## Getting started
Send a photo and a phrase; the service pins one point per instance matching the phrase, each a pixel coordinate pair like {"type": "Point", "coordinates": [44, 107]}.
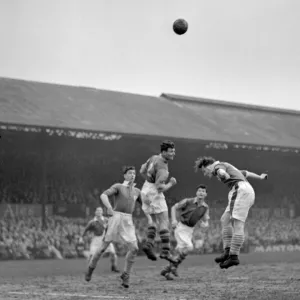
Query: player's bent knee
{"type": "Point", "coordinates": [164, 224]}
{"type": "Point", "coordinates": [238, 226]}
{"type": "Point", "coordinates": [190, 248]}
{"type": "Point", "coordinates": [185, 250]}
{"type": "Point", "coordinates": [225, 219]}
{"type": "Point", "coordinates": [133, 247]}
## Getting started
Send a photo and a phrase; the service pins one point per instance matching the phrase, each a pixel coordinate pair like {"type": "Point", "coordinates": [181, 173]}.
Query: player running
{"type": "Point", "coordinates": [185, 215]}
{"type": "Point", "coordinates": [240, 199]}
{"type": "Point", "coordinates": [120, 227]}
{"type": "Point", "coordinates": [97, 226]}
{"type": "Point", "coordinates": [155, 172]}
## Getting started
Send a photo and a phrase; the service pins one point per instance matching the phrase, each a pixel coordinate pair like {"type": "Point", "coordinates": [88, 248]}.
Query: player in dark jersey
{"type": "Point", "coordinates": [240, 199]}
{"type": "Point", "coordinates": [120, 227]}
{"type": "Point", "coordinates": [97, 226]}
{"type": "Point", "coordinates": [185, 215]}
{"type": "Point", "coordinates": [155, 172]}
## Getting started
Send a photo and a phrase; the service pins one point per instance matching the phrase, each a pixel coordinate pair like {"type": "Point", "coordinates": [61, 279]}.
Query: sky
{"type": "Point", "coordinates": [244, 51]}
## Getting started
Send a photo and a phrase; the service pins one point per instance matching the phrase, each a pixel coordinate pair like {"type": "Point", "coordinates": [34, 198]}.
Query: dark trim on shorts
{"type": "Point", "coordinates": [233, 198]}
{"type": "Point", "coordinates": [186, 224]}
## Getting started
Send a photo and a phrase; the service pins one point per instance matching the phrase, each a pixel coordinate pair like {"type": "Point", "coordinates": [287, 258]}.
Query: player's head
{"type": "Point", "coordinates": [129, 173]}
{"type": "Point", "coordinates": [205, 163]}
{"type": "Point", "coordinates": [167, 149]}
{"type": "Point", "coordinates": [99, 212]}
{"type": "Point", "coordinates": [201, 192]}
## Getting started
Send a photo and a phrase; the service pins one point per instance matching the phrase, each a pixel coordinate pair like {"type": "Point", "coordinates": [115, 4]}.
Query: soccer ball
{"type": "Point", "coordinates": [180, 26]}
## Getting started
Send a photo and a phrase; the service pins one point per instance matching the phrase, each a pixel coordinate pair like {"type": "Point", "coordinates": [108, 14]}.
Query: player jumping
{"type": "Point", "coordinates": [97, 226]}
{"type": "Point", "coordinates": [240, 199]}
{"type": "Point", "coordinates": [155, 172]}
{"type": "Point", "coordinates": [185, 215]}
{"type": "Point", "coordinates": [120, 227]}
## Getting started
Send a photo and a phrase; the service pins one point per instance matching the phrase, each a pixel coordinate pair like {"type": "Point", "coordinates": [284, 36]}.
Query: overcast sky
{"type": "Point", "coordinates": [235, 50]}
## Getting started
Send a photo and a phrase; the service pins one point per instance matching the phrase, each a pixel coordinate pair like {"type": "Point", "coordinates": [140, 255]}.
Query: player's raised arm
{"type": "Point", "coordinates": [252, 175]}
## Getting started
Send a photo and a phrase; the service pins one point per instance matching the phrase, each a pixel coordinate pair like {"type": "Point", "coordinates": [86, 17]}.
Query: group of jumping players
{"type": "Point", "coordinates": [119, 226]}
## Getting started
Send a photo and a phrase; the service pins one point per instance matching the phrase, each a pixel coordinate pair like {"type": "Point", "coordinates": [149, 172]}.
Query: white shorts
{"type": "Point", "coordinates": [120, 229]}
{"type": "Point", "coordinates": [199, 243]}
{"type": "Point", "coordinates": [97, 243]}
{"type": "Point", "coordinates": [184, 237]}
{"type": "Point", "coordinates": [240, 199]}
{"type": "Point", "coordinates": [154, 202]}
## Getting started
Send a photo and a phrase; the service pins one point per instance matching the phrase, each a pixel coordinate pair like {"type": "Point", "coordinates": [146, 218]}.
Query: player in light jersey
{"type": "Point", "coordinates": [185, 215]}
{"type": "Point", "coordinates": [97, 226]}
{"type": "Point", "coordinates": [155, 172]}
{"type": "Point", "coordinates": [120, 227]}
{"type": "Point", "coordinates": [240, 199]}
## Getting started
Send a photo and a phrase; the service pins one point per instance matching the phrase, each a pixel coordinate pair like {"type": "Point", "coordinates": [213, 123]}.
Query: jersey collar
{"type": "Point", "coordinates": [165, 160]}
{"type": "Point", "coordinates": [196, 202]}
{"type": "Point", "coordinates": [126, 183]}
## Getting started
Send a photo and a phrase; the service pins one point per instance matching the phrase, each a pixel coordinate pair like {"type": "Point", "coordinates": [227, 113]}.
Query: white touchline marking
{"type": "Point", "coordinates": [70, 295]}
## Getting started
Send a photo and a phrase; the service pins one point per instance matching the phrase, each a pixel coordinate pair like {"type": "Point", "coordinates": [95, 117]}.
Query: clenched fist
{"type": "Point", "coordinates": [173, 181]}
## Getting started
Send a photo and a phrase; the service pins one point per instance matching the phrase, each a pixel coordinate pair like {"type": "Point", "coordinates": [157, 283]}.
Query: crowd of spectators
{"type": "Point", "coordinates": [69, 172]}
{"type": "Point", "coordinates": [25, 237]}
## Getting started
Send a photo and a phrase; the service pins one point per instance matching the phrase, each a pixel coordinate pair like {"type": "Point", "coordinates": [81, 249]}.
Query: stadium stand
{"type": "Point", "coordinates": [62, 145]}
{"type": "Point", "coordinates": [244, 123]}
{"type": "Point", "coordinates": [43, 104]}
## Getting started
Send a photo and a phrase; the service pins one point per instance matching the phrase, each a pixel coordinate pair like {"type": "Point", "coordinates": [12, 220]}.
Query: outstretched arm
{"type": "Point", "coordinates": [252, 175]}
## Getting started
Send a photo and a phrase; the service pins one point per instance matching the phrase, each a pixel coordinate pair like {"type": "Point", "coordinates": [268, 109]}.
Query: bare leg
{"type": "Point", "coordinates": [94, 260]}
{"type": "Point", "coordinates": [129, 261]}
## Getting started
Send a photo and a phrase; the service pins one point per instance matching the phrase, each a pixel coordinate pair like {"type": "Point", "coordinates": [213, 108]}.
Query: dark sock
{"type": "Point", "coordinates": [165, 240]}
{"type": "Point", "coordinates": [151, 235]}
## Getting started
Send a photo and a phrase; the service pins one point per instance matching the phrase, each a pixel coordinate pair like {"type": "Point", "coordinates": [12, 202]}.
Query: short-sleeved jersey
{"type": "Point", "coordinates": [190, 212]}
{"type": "Point", "coordinates": [125, 197]}
{"type": "Point", "coordinates": [156, 167]}
{"type": "Point", "coordinates": [97, 226]}
{"type": "Point", "coordinates": [235, 174]}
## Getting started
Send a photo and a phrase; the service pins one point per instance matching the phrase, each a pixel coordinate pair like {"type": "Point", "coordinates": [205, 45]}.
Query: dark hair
{"type": "Point", "coordinates": [202, 186]}
{"type": "Point", "coordinates": [128, 168]}
{"type": "Point", "coordinates": [166, 144]}
{"type": "Point", "coordinates": [203, 162]}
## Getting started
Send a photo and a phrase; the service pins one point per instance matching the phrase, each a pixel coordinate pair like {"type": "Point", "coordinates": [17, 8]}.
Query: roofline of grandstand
{"type": "Point", "coordinates": [77, 86]}
{"type": "Point", "coordinates": [295, 149]}
{"type": "Point", "coordinates": [176, 97]}
{"type": "Point", "coordinates": [213, 102]}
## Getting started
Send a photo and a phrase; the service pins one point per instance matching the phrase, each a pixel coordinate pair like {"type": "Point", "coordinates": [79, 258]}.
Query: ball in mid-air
{"type": "Point", "coordinates": [180, 26]}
